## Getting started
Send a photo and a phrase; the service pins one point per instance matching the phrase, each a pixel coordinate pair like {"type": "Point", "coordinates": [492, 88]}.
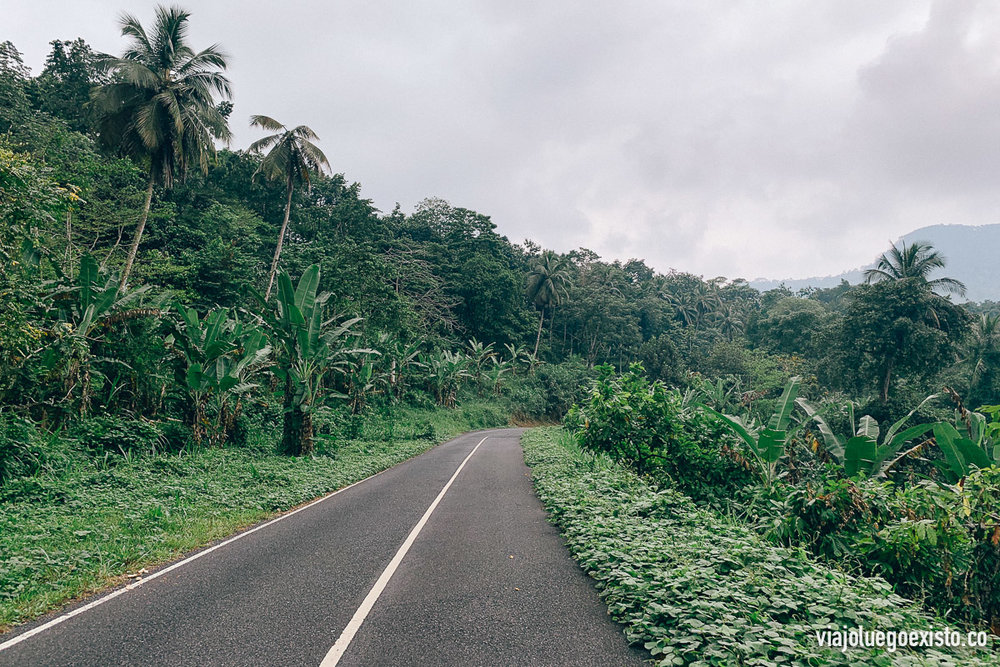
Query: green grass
{"type": "Point", "coordinates": [699, 589]}
{"type": "Point", "coordinates": [79, 528]}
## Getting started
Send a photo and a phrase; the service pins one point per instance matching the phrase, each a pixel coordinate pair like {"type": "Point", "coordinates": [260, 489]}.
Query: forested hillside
{"type": "Point", "coordinates": [434, 278]}
{"type": "Point", "coordinates": [270, 308]}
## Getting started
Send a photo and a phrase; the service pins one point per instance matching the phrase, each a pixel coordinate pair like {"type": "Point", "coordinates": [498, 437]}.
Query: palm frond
{"type": "Point", "coordinates": [266, 123]}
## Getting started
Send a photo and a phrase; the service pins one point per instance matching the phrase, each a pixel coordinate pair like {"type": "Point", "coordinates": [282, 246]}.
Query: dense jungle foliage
{"type": "Point", "coordinates": [158, 294]}
{"type": "Point", "coordinates": [916, 502]}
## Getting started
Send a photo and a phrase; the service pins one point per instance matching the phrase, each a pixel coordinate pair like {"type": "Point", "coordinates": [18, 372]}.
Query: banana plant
{"type": "Point", "coordinates": [961, 455]}
{"type": "Point", "coordinates": [84, 308]}
{"type": "Point", "coordinates": [445, 372]}
{"type": "Point", "coordinates": [767, 444]}
{"type": "Point", "coordinates": [723, 394]}
{"type": "Point", "coordinates": [396, 359]}
{"type": "Point", "coordinates": [517, 355]}
{"type": "Point", "coordinates": [480, 357]}
{"type": "Point", "coordinates": [494, 374]}
{"type": "Point", "coordinates": [863, 450]}
{"type": "Point", "coordinates": [366, 379]}
{"type": "Point", "coordinates": [402, 357]}
{"type": "Point", "coordinates": [987, 430]}
{"type": "Point", "coordinates": [220, 354]}
{"type": "Point", "coordinates": [309, 348]}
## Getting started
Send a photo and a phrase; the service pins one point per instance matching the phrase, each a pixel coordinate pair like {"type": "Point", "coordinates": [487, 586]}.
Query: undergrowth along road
{"type": "Point", "coordinates": [698, 589]}
{"type": "Point", "coordinates": [86, 525]}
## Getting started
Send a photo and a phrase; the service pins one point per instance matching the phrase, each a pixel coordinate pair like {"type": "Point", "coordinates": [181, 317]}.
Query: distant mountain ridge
{"type": "Point", "coordinates": [972, 255]}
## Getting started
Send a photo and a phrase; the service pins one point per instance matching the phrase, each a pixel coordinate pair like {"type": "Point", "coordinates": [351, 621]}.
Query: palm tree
{"type": "Point", "coordinates": [983, 349]}
{"type": "Point", "coordinates": [160, 108]}
{"type": "Point", "coordinates": [684, 306]}
{"type": "Point", "coordinates": [706, 301]}
{"type": "Point", "coordinates": [292, 159]}
{"type": "Point", "coordinates": [547, 285]}
{"type": "Point", "coordinates": [914, 261]}
{"type": "Point", "coordinates": [731, 322]}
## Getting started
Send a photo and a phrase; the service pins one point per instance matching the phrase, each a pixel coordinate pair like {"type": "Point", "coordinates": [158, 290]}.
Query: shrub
{"type": "Point", "coordinates": [19, 451]}
{"type": "Point", "coordinates": [935, 543]}
{"type": "Point", "coordinates": [119, 435]}
{"type": "Point", "coordinates": [645, 425]}
{"type": "Point", "coordinates": [551, 391]}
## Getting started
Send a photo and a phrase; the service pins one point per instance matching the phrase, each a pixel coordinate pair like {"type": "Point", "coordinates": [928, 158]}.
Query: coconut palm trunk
{"type": "Point", "coordinates": [886, 383]}
{"type": "Point", "coordinates": [137, 238]}
{"type": "Point", "coordinates": [281, 240]}
{"type": "Point", "coordinates": [538, 338]}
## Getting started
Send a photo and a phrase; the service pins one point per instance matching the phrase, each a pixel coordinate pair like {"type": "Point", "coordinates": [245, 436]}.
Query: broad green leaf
{"type": "Point", "coordinates": [973, 453]}
{"type": "Point", "coordinates": [771, 444]}
{"type": "Point", "coordinates": [891, 448]}
{"type": "Point", "coordinates": [87, 278]}
{"type": "Point", "coordinates": [305, 295]}
{"type": "Point", "coordinates": [194, 377]}
{"type": "Point", "coordinates": [860, 453]}
{"type": "Point", "coordinates": [890, 434]}
{"type": "Point", "coordinates": [867, 428]}
{"type": "Point", "coordinates": [833, 443]}
{"type": "Point", "coordinates": [779, 420]}
{"type": "Point", "coordinates": [286, 297]}
{"type": "Point", "coordinates": [736, 425]}
{"type": "Point", "coordinates": [947, 438]}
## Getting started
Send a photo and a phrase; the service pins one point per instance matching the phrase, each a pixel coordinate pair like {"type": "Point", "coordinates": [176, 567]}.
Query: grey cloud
{"type": "Point", "coordinates": [744, 139]}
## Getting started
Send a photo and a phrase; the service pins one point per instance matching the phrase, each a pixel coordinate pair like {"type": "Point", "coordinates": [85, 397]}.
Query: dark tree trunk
{"type": "Point", "coordinates": [886, 381]}
{"type": "Point", "coordinates": [297, 430]}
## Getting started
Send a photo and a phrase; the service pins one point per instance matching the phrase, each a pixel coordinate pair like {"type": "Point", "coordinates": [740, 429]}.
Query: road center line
{"type": "Point", "coordinates": [112, 595]}
{"type": "Point", "coordinates": [337, 651]}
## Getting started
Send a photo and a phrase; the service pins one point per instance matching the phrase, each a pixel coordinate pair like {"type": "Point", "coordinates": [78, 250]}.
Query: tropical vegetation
{"type": "Point", "coordinates": [168, 304]}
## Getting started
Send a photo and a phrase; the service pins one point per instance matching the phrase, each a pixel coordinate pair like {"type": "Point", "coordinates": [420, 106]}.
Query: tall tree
{"type": "Point", "coordinates": [900, 328]}
{"type": "Point", "coordinates": [63, 88]}
{"type": "Point", "coordinates": [917, 260]}
{"type": "Point", "coordinates": [160, 108]}
{"type": "Point", "coordinates": [292, 159]}
{"type": "Point", "coordinates": [14, 81]}
{"type": "Point", "coordinates": [547, 286]}
{"type": "Point", "coordinates": [982, 355]}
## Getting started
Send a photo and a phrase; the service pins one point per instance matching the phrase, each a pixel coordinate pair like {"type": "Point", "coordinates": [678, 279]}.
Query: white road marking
{"type": "Point", "coordinates": [337, 651]}
{"type": "Point", "coordinates": [111, 596]}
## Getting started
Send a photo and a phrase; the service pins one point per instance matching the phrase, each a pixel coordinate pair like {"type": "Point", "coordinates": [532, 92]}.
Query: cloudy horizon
{"type": "Point", "coordinates": [781, 141]}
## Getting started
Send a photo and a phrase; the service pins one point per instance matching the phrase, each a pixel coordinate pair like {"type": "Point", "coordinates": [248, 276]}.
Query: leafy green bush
{"type": "Point", "coordinates": [19, 451]}
{"type": "Point", "coordinates": [118, 435]}
{"type": "Point", "coordinates": [563, 385]}
{"type": "Point", "coordinates": [698, 589]}
{"type": "Point", "coordinates": [645, 425]}
{"type": "Point", "coordinates": [943, 544]}
{"type": "Point", "coordinates": [551, 391]}
{"type": "Point", "coordinates": [938, 544]}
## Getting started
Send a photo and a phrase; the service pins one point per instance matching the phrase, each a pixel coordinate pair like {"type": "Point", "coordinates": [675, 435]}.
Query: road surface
{"type": "Point", "coordinates": [446, 559]}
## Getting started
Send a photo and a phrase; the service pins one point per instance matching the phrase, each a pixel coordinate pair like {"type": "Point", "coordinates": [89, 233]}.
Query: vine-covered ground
{"type": "Point", "coordinates": [698, 589]}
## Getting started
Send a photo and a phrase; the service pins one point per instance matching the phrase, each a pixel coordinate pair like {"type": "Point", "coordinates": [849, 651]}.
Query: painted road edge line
{"type": "Point", "coordinates": [337, 650]}
{"type": "Point", "coordinates": [112, 595]}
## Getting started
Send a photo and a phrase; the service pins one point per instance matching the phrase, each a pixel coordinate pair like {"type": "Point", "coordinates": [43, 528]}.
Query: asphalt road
{"type": "Point", "coordinates": [487, 581]}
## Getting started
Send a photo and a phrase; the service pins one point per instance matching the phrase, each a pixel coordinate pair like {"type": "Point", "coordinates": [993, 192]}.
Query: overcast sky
{"type": "Point", "coordinates": [778, 139]}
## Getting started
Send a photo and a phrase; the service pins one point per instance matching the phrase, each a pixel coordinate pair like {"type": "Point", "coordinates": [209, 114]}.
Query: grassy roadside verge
{"type": "Point", "coordinates": [697, 589]}
{"type": "Point", "coordinates": [76, 530]}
